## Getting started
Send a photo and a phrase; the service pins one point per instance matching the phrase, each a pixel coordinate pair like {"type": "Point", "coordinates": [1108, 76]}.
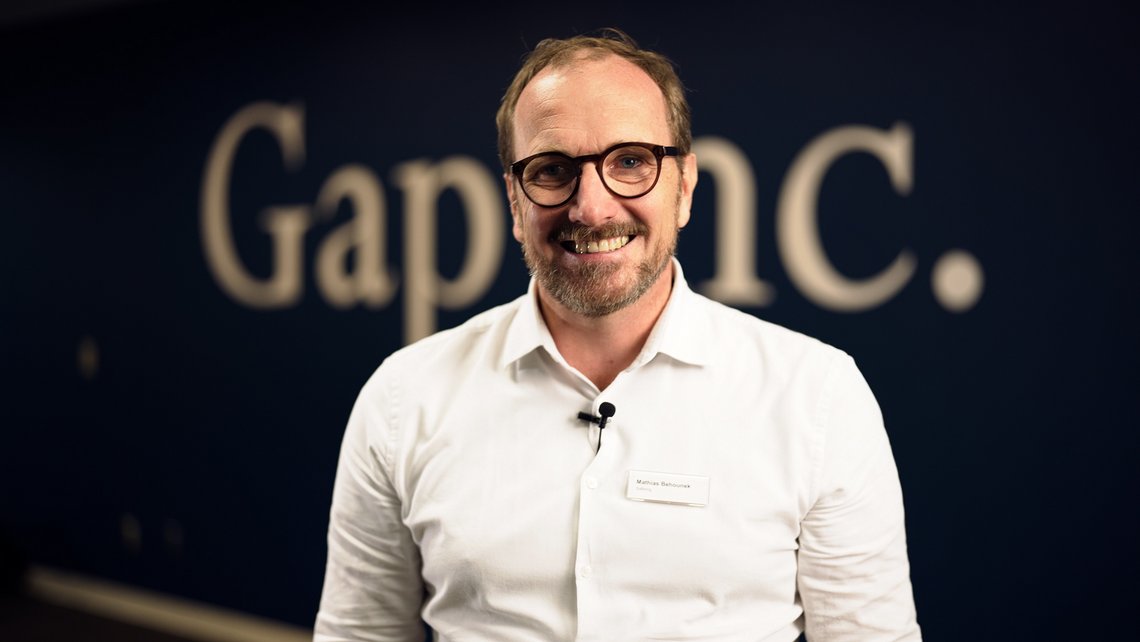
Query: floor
{"type": "Point", "coordinates": [24, 619]}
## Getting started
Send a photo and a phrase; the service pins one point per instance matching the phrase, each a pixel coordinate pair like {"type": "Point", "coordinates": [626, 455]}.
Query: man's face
{"type": "Point", "coordinates": [598, 253]}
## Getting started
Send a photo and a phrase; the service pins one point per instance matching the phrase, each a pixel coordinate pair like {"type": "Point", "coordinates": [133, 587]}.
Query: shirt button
{"type": "Point", "coordinates": [591, 483]}
{"type": "Point", "coordinates": [587, 571]}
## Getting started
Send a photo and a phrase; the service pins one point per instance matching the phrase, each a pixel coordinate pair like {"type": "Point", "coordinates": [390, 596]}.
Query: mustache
{"type": "Point", "coordinates": [579, 233]}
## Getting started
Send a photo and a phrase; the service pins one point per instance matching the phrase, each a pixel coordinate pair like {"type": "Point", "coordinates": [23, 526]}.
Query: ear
{"type": "Point", "coordinates": [513, 204]}
{"type": "Point", "coordinates": [688, 184]}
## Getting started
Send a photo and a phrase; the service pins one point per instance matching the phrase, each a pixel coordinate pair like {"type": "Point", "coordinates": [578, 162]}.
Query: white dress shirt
{"type": "Point", "coordinates": [469, 493]}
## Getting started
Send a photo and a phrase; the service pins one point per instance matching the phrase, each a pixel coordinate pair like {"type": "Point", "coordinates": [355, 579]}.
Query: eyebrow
{"type": "Point", "coordinates": [594, 153]}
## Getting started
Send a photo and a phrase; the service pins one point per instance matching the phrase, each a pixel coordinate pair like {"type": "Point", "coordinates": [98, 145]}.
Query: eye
{"type": "Point", "coordinates": [550, 171]}
{"type": "Point", "coordinates": [553, 170]}
{"type": "Point", "coordinates": [631, 165]}
{"type": "Point", "coordinates": [629, 162]}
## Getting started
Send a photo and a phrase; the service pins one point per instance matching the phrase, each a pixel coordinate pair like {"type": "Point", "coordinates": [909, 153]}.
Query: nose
{"type": "Point", "coordinates": [592, 205]}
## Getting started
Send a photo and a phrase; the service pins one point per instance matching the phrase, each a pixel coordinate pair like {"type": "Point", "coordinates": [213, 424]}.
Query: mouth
{"type": "Point", "coordinates": [599, 246]}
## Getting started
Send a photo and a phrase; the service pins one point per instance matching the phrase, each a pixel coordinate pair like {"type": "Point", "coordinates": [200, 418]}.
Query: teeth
{"type": "Point", "coordinates": [604, 245]}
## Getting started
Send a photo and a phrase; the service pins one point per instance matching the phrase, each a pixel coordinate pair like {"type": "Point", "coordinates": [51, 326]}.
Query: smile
{"type": "Point", "coordinates": [596, 247]}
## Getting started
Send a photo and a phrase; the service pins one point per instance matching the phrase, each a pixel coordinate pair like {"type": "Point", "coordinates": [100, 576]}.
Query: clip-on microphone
{"type": "Point", "coordinates": [606, 410]}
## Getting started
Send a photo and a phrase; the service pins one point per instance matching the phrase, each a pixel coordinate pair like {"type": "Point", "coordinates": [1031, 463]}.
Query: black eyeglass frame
{"type": "Point", "coordinates": [659, 151]}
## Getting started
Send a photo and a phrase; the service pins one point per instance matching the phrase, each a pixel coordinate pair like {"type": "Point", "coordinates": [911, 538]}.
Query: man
{"type": "Point", "coordinates": [730, 480]}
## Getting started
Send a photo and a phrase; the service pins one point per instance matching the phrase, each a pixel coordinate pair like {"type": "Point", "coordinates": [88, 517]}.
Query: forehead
{"type": "Point", "coordinates": [587, 105]}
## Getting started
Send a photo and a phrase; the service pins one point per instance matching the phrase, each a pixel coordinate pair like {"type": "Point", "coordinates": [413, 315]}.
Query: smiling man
{"type": "Point", "coordinates": [599, 242]}
{"type": "Point", "coordinates": [746, 490]}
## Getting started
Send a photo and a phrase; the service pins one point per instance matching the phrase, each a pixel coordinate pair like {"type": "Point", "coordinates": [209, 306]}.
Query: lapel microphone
{"type": "Point", "coordinates": [606, 410]}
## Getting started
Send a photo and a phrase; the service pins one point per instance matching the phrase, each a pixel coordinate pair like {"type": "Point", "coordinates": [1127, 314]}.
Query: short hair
{"type": "Point", "coordinates": [559, 52]}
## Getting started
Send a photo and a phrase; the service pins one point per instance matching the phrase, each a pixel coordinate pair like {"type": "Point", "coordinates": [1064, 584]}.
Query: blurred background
{"type": "Point", "coordinates": [220, 217]}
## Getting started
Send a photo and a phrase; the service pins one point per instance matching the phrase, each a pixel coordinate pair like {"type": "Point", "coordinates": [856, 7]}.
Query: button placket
{"type": "Point", "coordinates": [589, 577]}
{"type": "Point", "coordinates": [588, 599]}
{"type": "Point", "coordinates": [583, 568]}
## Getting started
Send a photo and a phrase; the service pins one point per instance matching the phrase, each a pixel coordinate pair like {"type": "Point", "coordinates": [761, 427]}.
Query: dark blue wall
{"type": "Point", "coordinates": [214, 425]}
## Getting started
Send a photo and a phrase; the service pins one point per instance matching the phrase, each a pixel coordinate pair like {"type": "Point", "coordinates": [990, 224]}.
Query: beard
{"type": "Point", "coordinates": [598, 289]}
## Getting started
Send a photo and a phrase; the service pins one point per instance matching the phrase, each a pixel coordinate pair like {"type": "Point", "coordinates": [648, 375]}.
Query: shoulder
{"type": "Point", "coordinates": [736, 335]}
{"type": "Point", "coordinates": [427, 371]}
{"type": "Point", "coordinates": [810, 378]}
{"type": "Point", "coordinates": [800, 371]}
{"type": "Point", "coordinates": [427, 374]}
{"type": "Point", "coordinates": [476, 338]}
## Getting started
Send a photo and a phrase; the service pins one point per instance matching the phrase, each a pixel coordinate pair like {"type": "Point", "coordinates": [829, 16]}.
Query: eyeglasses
{"type": "Point", "coordinates": [628, 170]}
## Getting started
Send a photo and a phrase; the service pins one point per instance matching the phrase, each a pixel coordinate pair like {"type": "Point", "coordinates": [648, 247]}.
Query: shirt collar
{"type": "Point", "coordinates": [527, 330]}
{"type": "Point", "coordinates": [681, 332]}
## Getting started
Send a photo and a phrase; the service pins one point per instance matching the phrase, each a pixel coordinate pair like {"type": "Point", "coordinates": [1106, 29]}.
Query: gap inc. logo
{"type": "Point", "coordinates": [368, 280]}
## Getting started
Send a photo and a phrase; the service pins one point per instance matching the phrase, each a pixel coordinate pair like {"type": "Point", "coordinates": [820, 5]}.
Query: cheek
{"type": "Point", "coordinates": [663, 215]}
{"type": "Point", "coordinates": [527, 225]}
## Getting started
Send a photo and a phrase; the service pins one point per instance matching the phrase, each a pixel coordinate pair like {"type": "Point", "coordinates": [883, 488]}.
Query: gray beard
{"type": "Point", "coordinates": [584, 290]}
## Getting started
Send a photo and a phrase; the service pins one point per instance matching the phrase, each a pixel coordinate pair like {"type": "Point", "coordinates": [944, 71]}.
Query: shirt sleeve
{"type": "Point", "coordinates": [373, 588]}
{"type": "Point", "coordinates": [854, 576]}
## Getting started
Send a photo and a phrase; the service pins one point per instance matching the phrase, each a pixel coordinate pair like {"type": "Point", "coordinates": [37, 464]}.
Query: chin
{"type": "Point", "coordinates": [596, 288]}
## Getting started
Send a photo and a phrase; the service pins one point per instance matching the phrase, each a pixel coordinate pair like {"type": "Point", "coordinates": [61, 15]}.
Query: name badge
{"type": "Point", "coordinates": [667, 488]}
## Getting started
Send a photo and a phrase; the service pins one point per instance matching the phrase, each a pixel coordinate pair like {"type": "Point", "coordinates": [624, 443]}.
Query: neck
{"type": "Point", "coordinates": [601, 347]}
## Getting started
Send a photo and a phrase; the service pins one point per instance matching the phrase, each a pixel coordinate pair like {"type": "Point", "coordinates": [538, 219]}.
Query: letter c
{"type": "Point", "coordinates": [797, 221]}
